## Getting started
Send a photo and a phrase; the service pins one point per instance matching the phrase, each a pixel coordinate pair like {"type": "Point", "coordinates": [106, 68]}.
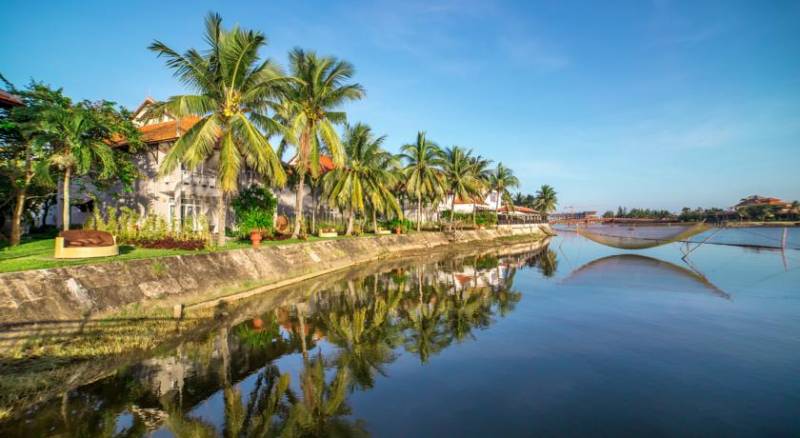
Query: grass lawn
{"type": "Point", "coordinates": [37, 253]}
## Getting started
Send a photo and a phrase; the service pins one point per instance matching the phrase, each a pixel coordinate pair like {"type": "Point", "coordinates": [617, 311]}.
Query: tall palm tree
{"type": "Point", "coordinates": [423, 174]}
{"type": "Point", "coordinates": [234, 89]}
{"type": "Point", "coordinates": [460, 178]}
{"type": "Point", "coordinates": [483, 174]}
{"type": "Point", "coordinates": [546, 199]}
{"type": "Point", "coordinates": [310, 110]}
{"type": "Point", "coordinates": [81, 136]}
{"type": "Point", "coordinates": [500, 181]}
{"type": "Point", "coordinates": [365, 177]}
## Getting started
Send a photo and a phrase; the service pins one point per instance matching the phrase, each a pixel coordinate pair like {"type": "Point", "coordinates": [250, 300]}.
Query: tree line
{"type": "Point", "coordinates": [714, 214]}
{"type": "Point", "coordinates": [251, 111]}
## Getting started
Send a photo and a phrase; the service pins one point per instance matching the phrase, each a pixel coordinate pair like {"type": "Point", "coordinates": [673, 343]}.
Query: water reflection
{"type": "Point", "coordinates": [639, 237]}
{"type": "Point", "coordinates": [235, 380]}
{"type": "Point", "coordinates": [634, 271]}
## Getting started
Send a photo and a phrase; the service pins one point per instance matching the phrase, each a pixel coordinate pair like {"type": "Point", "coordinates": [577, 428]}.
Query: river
{"type": "Point", "coordinates": [575, 339]}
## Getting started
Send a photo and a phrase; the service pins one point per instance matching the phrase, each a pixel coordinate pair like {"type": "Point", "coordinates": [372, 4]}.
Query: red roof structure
{"type": "Point", "coordinates": [326, 163]}
{"type": "Point", "coordinates": [756, 200]}
{"type": "Point", "coordinates": [461, 201]}
{"type": "Point", "coordinates": [8, 100]}
{"type": "Point", "coordinates": [167, 131]}
{"type": "Point", "coordinates": [518, 209]}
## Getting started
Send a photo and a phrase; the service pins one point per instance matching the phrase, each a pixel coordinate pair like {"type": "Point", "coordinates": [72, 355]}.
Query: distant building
{"type": "Point", "coordinates": [519, 214]}
{"type": "Point", "coordinates": [573, 215]}
{"type": "Point", "coordinates": [491, 202]}
{"type": "Point", "coordinates": [757, 201]}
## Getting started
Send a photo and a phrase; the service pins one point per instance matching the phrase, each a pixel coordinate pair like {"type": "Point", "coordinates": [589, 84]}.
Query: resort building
{"type": "Point", "coordinates": [489, 202]}
{"type": "Point", "coordinates": [519, 215]}
{"type": "Point", "coordinates": [758, 201]}
{"type": "Point", "coordinates": [183, 194]}
{"type": "Point", "coordinates": [573, 215]}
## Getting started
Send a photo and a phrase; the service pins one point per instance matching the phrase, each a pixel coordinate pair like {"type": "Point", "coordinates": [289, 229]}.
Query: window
{"type": "Point", "coordinates": [190, 209]}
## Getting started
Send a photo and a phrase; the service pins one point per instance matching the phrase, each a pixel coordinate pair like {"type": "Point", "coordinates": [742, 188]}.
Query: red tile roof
{"type": "Point", "coordinates": [326, 163]}
{"type": "Point", "coordinates": [475, 200]}
{"type": "Point", "coordinates": [519, 209]}
{"type": "Point", "coordinates": [7, 100]}
{"type": "Point", "coordinates": [166, 131]}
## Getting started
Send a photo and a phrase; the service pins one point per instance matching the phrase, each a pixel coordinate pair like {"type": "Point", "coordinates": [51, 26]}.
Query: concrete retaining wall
{"type": "Point", "coordinates": [71, 292]}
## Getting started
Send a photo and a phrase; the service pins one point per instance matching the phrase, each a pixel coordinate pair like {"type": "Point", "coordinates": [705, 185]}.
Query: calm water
{"type": "Point", "coordinates": [579, 339]}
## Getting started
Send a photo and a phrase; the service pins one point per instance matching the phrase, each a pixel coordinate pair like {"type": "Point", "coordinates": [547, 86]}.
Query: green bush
{"type": "Point", "coordinates": [128, 227]}
{"type": "Point", "coordinates": [405, 224]}
{"type": "Point", "coordinates": [486, 218]}
{"type": "Point", "coordinates": [255, 209]}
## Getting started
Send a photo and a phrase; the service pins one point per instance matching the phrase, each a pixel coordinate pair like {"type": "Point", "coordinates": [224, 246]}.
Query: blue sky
{"type": "Point", "coordinates": [656, 104]}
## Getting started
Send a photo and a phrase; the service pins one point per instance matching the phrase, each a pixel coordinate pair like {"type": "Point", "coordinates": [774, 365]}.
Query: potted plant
{"type": "Point", "coordinates": [255, 223]}
{"type": "Point", "coordinates": [254, 208]}
{"type": "Point", "coordinates": [256, 235]}
{"type": "Point", "coordinates": [399, 226]}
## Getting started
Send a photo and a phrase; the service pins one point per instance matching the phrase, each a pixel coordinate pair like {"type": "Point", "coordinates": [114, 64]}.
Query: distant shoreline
{"type": "Point", "coordinates": [736, 224]}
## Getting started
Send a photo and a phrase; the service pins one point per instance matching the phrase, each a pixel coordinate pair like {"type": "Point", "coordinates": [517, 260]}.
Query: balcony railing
{"type": "Point", "coordinates": [199, 178]}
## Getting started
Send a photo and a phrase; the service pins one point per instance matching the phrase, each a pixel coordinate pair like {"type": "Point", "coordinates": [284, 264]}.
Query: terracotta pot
{"type": "Point", "coordinates": [398, 230]}
{"type": "Point", "coordinates": [255, 237]}
{"type": "Point", "coordinates": [258, 323]}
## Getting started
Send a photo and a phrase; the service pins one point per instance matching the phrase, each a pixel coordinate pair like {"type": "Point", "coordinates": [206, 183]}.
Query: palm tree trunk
{"type": "Point", "coordinates": [497, 210]}
{"type": "Point", "coordinates": [314, 211]}
{"type": "Point", "coordinates": [374, 221]}
{"type": "Point", "coordinates": [298, 206]}
{"type": "Point", "coordinates": [16, 216]}
{"type": "Point", "coordinates": [452, 210]}
{"type": "Point", "coordinates": [65, 207]}
{"type": "Point", "coordinates": [222, 210]}
{"type": "Point", "coordinates": [349, 223]}
{"type": "Point", "coordinates": [419, 211]}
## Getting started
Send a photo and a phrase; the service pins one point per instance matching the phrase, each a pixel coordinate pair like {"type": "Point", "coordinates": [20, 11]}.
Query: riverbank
{"type": "Point", "coordinates": [42, 361]}
{"type": "Point", "coordinates": [76, 292]}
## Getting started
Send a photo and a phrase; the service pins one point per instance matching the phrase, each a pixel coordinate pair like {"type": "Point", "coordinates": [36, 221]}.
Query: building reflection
{"type": "Point", "coordinates": [344, 337]}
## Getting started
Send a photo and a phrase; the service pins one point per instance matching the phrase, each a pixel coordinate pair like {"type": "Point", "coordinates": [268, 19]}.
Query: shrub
{"type": "Point", "coordinates": [171, 243]}
{"type": "Point", "coordinates": [486, 218]}
{"type": "Point", "coordinates": [153, 231]}
{"type": "Point", "coordinates": [404, 224]}
{"type": "Point", "coordinates": [254, 208]}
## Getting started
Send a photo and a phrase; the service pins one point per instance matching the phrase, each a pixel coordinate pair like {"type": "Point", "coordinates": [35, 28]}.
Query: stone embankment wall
{"type": "Point", "coordinates": [73, 292]}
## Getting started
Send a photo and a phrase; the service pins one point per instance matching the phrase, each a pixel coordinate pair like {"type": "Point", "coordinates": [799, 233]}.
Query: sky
{"type": "Point", "coordinates": [651, 104]}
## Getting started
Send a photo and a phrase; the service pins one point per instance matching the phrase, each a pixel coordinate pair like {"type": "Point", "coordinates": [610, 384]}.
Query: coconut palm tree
{"type": "Point", "coordinates": [80, 137]}
{"type": "Point", "coordinates": [311, 105]}
{"type": "Point", "coordinates": [460, 179]}
{"type": "Point", "coordinates": [546, 199]}
{"type": "Point", "coordinates": [500, 180]}
{"type": "Point", "coordinates": [233, 88]}
{"type": "Point", "coordinates": [482, 174]}
{"type": "Point", "coordinates": [422, 172]}
{"type": "Point", "coordinates": [366, 176]}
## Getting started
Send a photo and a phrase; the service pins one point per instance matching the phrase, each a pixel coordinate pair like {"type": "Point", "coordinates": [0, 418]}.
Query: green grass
{"type": "Point", "coordinates": [37, 253]}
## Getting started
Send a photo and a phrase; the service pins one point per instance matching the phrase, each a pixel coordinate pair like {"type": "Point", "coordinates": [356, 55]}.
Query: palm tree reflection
{"type": "Point", "coordinates": [346, 336]}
